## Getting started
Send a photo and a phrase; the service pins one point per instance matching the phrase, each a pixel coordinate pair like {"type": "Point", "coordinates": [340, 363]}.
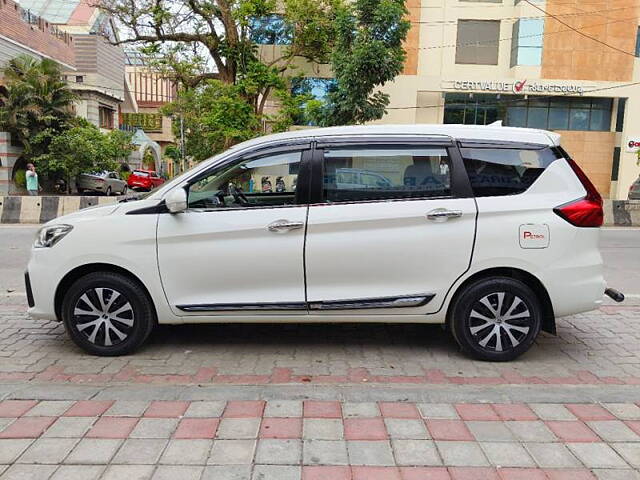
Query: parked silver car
{"type": "Point", "coordinates": [108, 183]}
{"type": "Point", "coordinates": [634, 190]}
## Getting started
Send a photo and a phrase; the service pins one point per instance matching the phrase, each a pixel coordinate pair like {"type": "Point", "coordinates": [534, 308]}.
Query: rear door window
{"type": "Point", "coordinates": [504, 171]}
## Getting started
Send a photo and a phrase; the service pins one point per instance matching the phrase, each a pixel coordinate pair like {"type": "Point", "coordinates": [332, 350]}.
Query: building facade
{"type": "Point", "coordinates": [477, 62]}
{"type": "Point", "coordinates": [99, 76]}
{"type": "Point", "coordinates": [24, 33]}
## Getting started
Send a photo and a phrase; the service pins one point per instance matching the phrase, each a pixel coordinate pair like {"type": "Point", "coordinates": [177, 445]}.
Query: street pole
{"type": "Point", "coordinates": [182, 141]}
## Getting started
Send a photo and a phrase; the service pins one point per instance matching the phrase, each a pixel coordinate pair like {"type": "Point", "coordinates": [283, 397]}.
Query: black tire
{"type": "Point", "coordinates": [135, 321]}
{"type": "Point", "coordinates": [108, 192]}
{"type": "Point", "coordinates": [124, 190]}
{"type": "Point", "coordinates": [485, 335]}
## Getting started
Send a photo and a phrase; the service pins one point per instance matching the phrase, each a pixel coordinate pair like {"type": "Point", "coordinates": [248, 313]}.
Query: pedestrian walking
{"type": "Point", "coordinates": [32, 180]}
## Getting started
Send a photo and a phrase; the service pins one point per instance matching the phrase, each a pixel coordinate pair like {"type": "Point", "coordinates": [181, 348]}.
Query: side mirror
{"type": "Point", "coordinates": [176, 200]}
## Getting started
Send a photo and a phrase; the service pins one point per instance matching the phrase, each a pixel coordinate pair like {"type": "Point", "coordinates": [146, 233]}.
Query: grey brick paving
{"type": "Point", "coordinates": [227, 472]}
{"type": "Point", "coordinates": [325, 452]}
{"type": "Point", "coordinates": [128, 472]}
{"type": "Point", "coordinates": [597, 455]}
{"type": "Point", "coordinates": [177, 472]}
{"type": "Point", "coordinates": [154, 428]}
{"type": "Point", "coordinates": [547, 411]}
{"type": "Point", "coordinates": [97, 451]}
{"type": "Point", "coordinates": [279, 452]}
{"type": "Point", "coordinates": [406, 429]}
{"type": "Point", "coordinates": [70, 427]}
{"type": "Point", "coordinates": [323, 428]}
{"type": "Point", "coordinates": [127, 408]}
{"type": "Point", "coordinates": [552, 455]}
{"type": "Point", "coordinates": [462, 454]}
{"type": "Point", "coordinates": [28, 472]}
{"type": "Point", "coordinates": [613, 431]}
{"type": "Point", "coordinates": [360, 409]}
{"type": "Point", "coordinates": [501, 454]}
{"type": "Point", "coordinates": [205, 409]}
{"type": "Point", "coordinates": [376, 453]}
{"type": "Point", "coordinates": [48, 450]}
{"type": "Point", "coordinates": [232, 452]}
{"type": "Point", "coordinates": [238, 428]}
{"type": "Point", "coordinates": [78, 472]}
{"type": "Point", "coordinates": [630, 452]}
{"type": "Point", "coordinates": [275, 472]}
{"type": "Point", "coordinates": [283, 408]}
{"type": "Point", "coordinates": [187, 452]}
{"type": "Point", "coordinates": [415, 452]}
{"type": "Point", "coordinates": [11, 449]}
{"type": "Point", "coordinates": [531, 431]}
{"type": "Point", "coordinates": [49, 408]}
{"type": "Point", "coordinates": [492, 431]}
{"type": "Point", "coordinates": [140, 451]}
{"type": "Point", "coordinates": [616, 474]}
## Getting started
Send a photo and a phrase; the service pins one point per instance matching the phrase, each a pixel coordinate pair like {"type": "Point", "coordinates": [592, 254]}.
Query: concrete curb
{"type": "Point", "coordinates": [23, 209]}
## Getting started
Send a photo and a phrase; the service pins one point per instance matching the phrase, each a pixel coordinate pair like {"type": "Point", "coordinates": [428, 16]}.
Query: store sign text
{"type": "Point", "coordinates": [517, 87]}
{"type": "Point", "coordinates": [633, 144]}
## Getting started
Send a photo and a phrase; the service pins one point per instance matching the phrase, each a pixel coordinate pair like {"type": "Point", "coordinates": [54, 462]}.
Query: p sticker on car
{"type": "Point", "coordinates": [534, 235]}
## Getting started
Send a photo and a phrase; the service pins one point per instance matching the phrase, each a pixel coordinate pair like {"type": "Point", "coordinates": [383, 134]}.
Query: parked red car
{"type": "Point", "coordinates": [144, 180]}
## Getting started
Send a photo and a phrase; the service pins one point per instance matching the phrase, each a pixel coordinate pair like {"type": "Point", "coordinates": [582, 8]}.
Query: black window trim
{"type": "Point", "coordinates": [460, 185]}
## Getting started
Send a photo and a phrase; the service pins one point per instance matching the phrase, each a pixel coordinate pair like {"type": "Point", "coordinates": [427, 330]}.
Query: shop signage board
{"type": "Point", "coordinates": [519, 87]}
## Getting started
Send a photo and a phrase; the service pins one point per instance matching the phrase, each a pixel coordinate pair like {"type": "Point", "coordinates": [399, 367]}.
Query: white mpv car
{"type": "Point", "coordinates": [492, 231]}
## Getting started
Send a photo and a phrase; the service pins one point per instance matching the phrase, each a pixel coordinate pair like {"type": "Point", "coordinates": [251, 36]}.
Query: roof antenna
{"type": "Point", "coordinates": [497, 123]}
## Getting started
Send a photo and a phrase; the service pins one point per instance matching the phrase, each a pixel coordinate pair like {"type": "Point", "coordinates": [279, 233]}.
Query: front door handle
{"type": "Point", "coordinates": [281, 226]}
{"type": "Point", "coordinates": [443, 214]}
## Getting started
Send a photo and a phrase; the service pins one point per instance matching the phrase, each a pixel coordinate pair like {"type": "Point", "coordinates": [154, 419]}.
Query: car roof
{"type": "Point", "coordinates": [478, 133]}
{"type": "Point", "coordinates": [143, 170]}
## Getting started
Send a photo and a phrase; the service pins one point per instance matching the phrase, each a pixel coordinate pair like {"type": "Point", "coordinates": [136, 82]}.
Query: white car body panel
{"type": "Point", "coordinates": [359, 250]}
{"type": "Point", "coordinates": [202, 257]}
{"type": "Point", "coordinates": [387, 249]}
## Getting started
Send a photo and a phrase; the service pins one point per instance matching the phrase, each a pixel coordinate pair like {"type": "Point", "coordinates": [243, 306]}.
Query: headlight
{"type": "Point", "coordinates": [48, 236]}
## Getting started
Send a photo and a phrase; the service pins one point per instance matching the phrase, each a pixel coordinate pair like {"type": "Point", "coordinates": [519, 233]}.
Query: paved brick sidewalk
{"type": "Point", "coordinates": [601, 347]}
{"type": "Point", "coordinates": [313, 440]}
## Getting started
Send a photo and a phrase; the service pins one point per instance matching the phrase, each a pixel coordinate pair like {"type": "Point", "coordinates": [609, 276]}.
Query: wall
{"type": "Point", "coordinates": [8, 156]}
{"type": "Point", "coordinates": [593, 151]}
{"type": "Point", "coordinates": [569, 55]}
{"type": "Point", "coordinates": [35, 37]}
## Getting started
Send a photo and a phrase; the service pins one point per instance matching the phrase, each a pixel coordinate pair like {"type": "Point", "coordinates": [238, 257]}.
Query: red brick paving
{"type": "Point", "coordinates": [197, 428]}
{"type": "Point", "coordinates": [399, 410]}
{"type": "Point", "coordinates": [326, 473]}
{"type": "Point", "coordinates": [162, 409]}
{"type": "Point", "coordinates": [88, 408]}
{"type": "Point", "coordinates": [572, 431]}
{"type": "Point", "coordinates": [375, 473]}
{"type": "Point", "coordinates": [316, 409]}
{"type": "Point", "coordinates": [15, 408]}
{"type": "Point", "coordinates": [449, 430]}
{"type": "Point", "coordinates": [514, 411]}
{"type": "Point", "coordinates": [244, 409]}
{"type": "Point", "coordinates": [112, 427]}
{"type": "Point", "coordinates": [365, 429]}
{"type": "Point", "coordinates": [476, 412]}
{"type": "Point", "coordinates": [586, 412]}
{"type": "Point", "coordinates": [27, 427]}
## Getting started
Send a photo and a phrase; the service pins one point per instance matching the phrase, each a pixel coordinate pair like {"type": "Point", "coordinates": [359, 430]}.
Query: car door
{"type": "Point", "coordinates": [391, 246]}
{"type": "Point", "coordinates": [239, 249]}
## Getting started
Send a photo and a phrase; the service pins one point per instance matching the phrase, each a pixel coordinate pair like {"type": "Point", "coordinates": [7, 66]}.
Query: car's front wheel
{"type": "Point", "coordinates": [496, 318]}
{"type": "Point", "coordinates": [108, 314]}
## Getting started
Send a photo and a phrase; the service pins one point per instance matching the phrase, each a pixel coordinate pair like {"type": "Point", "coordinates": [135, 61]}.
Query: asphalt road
{"type": "Point", "coordinates": [620, 250]}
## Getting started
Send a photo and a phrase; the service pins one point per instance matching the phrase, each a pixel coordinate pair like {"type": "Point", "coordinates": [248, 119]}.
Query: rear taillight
{"type": "Point", "coordinates": [584, 212]}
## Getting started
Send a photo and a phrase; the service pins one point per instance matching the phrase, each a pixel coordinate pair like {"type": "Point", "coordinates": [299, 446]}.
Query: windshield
{"type": "Point", "coordinates": [140, 174]}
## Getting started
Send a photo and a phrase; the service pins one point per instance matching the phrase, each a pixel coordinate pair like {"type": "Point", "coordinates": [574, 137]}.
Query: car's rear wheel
{"type": "Point", "coordinates": [124, 190]}
{"type": "Point", "coordinates": [107, 314]}
{"type": "Point", "coordinates": [496, 318]}
{"type": "Point", "coordinates": [108, 192]}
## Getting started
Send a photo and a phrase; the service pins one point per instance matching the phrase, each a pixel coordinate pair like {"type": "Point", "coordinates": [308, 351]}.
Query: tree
{"type": "Point", "coordinates": [84, 149]}
{"type": "Point", "coordinates": [186, 38]}
{"type": "Point", "coordinates": [368, 53]}
{"type": "Point", "coordinates": [35, 104]}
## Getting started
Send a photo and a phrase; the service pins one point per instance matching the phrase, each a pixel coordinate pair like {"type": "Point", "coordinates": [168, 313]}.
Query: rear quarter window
{"type": "Point", "coordinates": [505, 171]}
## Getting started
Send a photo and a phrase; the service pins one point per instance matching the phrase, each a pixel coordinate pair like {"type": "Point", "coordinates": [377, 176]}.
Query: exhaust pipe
{"type": "Point", "coordinates": [614, 294]}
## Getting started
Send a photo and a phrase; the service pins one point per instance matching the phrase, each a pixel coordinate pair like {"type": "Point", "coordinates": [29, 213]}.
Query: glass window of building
{"type": "Point", "coordinates": [270, 30]}
{"type": "Point", "coordinates": [638, 43]}
{"type": "Point", "coordinates": [478, 42]}
{"type": "Point", "coordinates": [555, 113]}
{"type": "Point", "coordinates": [315, 88]}
{"type": "Point", "coordinates": [526, 42]}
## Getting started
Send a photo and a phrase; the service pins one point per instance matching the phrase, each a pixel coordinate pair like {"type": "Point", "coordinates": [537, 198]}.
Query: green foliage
{"type": "Point", "coordinates": [84, 149]}
{"type": "Point", "coordinates": [368, 52]}
{"type": "Point", "coordinates": [35, 104]}
{"type": "Point", "coordinates": [20, 178]}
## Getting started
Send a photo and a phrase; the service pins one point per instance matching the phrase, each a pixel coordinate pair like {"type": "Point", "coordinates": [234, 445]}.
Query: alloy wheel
{"type": "Point", "coordinates": [104, 315]}
{"type": "Point", "coordinates": [499, 321]}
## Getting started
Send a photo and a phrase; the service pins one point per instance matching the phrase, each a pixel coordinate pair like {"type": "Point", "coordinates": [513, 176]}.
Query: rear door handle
{"type": "Point", "coordinates": [281, 226]}
{"type": "Point", "coordinates": [443, 214]}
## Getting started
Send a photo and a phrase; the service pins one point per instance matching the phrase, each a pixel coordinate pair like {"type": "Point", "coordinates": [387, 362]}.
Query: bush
{"type": "Point", "coordinates": [21, 178]}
